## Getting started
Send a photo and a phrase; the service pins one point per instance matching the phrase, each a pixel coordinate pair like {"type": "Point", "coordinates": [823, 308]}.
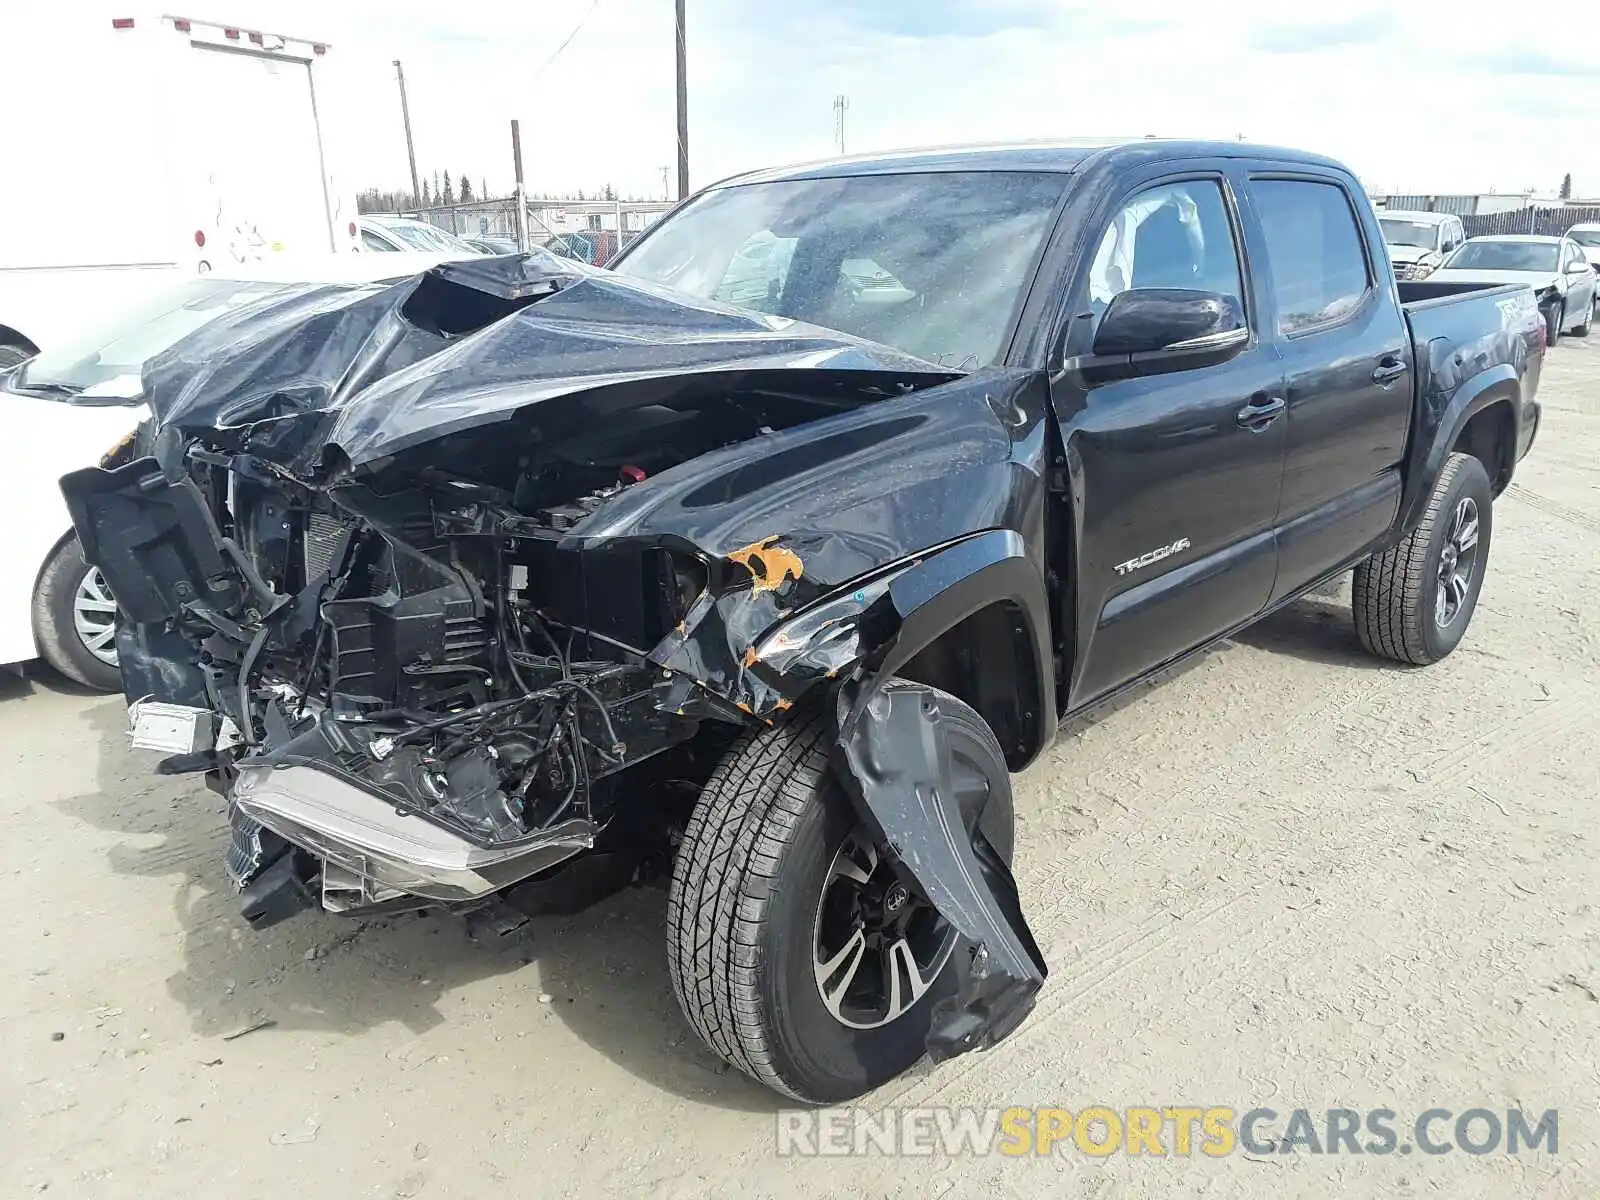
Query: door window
{"type": "Point", "coordinates": [1314, 255]}
{"type": "Point", "coordinates": [1177, 235]}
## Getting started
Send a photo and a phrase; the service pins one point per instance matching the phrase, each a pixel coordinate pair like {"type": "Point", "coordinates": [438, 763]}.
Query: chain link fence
{"type": "Point", "coordinates": [592, 231]}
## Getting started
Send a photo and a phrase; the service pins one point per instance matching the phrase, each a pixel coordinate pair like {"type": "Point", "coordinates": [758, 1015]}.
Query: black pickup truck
{"type": "Point", "coordinates": [491, 588]}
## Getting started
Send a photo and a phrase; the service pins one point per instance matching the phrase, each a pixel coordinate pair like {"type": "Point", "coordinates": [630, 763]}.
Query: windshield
{"type": "Point", "coordinates": [1505, 256]}
{"type": "Point", "coordinates": [1398, 232]}
{"type": "Point", "coordinates": [1586, 237]}
{"type": "Point", "coordinates": [111, 356]}
{"type": "Point", "coordinates": [934, 265]}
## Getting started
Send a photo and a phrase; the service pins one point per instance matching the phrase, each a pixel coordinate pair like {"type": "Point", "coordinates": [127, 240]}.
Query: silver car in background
{"type": "Point", "coordinates": [1563, 280]}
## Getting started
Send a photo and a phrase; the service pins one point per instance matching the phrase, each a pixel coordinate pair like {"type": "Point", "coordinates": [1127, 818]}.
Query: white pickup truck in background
{"type": "Point", "coordinates": [144, 150]}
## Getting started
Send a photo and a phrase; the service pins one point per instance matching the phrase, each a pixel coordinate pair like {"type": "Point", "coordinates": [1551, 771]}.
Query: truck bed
{"type": "Point", "coordinates": [1425, 292]}
{"type": "Point", "coordinates": [1460, 329]}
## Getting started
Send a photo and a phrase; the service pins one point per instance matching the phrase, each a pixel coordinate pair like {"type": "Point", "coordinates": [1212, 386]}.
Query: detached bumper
{"type": "Point", "coordinates": [386, 850]}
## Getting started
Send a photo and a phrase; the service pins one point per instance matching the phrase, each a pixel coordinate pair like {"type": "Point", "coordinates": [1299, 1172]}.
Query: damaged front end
{"type": "Point", "coordinates": [442, 583]}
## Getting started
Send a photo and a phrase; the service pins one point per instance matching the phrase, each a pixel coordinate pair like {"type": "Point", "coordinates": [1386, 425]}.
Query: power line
{"type": "Point", "coordinates": [576, 29]}
{"type": "Point", "coordinates": [681, 46]}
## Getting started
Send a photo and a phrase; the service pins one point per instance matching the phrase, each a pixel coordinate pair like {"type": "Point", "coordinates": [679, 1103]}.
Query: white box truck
{"type": "Point", "coordinates": [144, 149]}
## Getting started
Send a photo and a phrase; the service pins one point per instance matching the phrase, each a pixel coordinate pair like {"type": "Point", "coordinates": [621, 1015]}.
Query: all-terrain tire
{"type": "Point", "coordinates": [54, 630]}
{"type": "Point", "coordinates": [743, 902]}
{"type": "Point", "coordinates": [1395, 593]}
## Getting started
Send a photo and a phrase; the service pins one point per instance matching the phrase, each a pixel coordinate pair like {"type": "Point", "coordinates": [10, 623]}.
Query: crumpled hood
{"type": "Point", "coordinates": [372, 370]}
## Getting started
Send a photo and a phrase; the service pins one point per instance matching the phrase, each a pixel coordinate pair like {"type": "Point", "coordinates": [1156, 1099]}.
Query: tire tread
{"type": "Point", "coordinates": [1390, 591]}
{"type": "Point", "coordinates": [722, 881]}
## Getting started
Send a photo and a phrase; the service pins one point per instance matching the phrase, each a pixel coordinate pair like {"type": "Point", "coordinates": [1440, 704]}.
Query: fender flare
{"type": "Point", "coordinates": [1499, 384]}
{"type": "Point", "coordinates": [938, 593]}
{"type": "Point", "coordinates": [892, 758]}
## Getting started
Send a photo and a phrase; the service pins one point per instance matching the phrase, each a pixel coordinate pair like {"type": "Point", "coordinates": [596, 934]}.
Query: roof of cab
{"type": "Point", "coordinates": [1059, 156]}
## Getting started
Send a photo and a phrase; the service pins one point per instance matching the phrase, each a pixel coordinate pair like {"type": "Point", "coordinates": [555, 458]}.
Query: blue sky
{"type": "Point", "coordinates": [1414, 94]}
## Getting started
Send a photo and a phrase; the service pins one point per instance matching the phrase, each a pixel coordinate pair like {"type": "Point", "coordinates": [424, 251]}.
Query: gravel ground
{"type": "Point", "coordinates": [1287, 875]}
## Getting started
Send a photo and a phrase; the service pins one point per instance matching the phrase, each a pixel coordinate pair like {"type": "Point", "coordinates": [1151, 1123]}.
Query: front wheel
{"type": "Point", "coordinates": [797, 951]}
{"type": "Point", "coordinates": [1588, 320]}
{"type": "Point", "coordinates": [74, 620]}
{"type": "Point", "coordinates": [1413, 603]}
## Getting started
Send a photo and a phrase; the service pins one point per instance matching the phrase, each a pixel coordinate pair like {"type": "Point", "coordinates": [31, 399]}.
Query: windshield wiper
{"type": "Point", "coordinates": [46, 388]}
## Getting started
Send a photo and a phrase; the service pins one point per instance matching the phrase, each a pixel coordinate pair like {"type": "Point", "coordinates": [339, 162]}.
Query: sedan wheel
{"type": "Point", "coordinates": [75, 620]}
{"type": "Point", "coordinates": [94, 617]}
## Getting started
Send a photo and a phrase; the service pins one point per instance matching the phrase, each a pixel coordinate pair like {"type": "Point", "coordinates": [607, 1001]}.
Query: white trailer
{"type": "Point", "coordinates": [142, 150]}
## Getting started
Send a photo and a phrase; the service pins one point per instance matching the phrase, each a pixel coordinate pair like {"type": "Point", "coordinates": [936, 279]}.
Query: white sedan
{"type": "Point", "coordinates": [65, 408]}
{"type": "Point", "coordinates": [1555, 268]}
{"type": "Point", "coordinates": [387, 234]}
{"type": "Point", "coordinates": [1588, 239]}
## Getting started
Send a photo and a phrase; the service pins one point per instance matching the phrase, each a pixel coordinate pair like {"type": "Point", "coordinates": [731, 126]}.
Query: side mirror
{"type": "Point", "coordinates": [1175, 325]}
{"type": "Point", "coordinates": [1578, 268]}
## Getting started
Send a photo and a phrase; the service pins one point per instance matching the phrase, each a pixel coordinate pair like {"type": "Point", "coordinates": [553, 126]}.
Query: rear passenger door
{"type": "Point", "coordinates": [1346, 352]}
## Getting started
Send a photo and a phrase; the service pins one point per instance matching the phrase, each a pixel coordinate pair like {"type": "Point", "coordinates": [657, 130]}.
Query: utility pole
{"type": "Point", "coordinates": [521, 213]}
{"type": "Point", "coordinates": [841, 102]}
{"type": "Point", "coordinates": [683, 105]}
{"type": "Point", "coordinates": [411, 151]}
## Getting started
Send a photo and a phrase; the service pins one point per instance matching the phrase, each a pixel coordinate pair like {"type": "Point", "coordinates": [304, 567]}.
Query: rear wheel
{"type": "Point", "coordinates": [74, 620]}
{"type": "Point", "coordinates": [1413, 603]}
{"type": "Point", "coordinates": [797, 951]}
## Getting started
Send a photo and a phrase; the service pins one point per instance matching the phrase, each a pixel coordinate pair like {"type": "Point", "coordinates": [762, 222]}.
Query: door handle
{"type": "Point", "coordinates": [1390, 368]}
{"type": "Point", "coordinates": [1261, 412]}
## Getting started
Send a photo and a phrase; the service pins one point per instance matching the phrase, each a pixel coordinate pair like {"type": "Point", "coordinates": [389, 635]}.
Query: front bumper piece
{"type": "Point", "coordinates": [370, 848]}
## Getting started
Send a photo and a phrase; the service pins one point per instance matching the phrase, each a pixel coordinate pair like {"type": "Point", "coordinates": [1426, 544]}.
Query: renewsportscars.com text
{"type": "Point", "coordinates": [1213, 1131]}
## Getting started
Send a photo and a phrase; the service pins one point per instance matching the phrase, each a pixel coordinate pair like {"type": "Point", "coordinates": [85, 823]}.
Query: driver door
{"type": "Point", "coordinates": [1178, 472]}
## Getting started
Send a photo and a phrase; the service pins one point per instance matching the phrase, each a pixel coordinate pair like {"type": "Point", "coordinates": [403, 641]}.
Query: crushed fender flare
{"type": "Point", "coordinates": [893, 757]}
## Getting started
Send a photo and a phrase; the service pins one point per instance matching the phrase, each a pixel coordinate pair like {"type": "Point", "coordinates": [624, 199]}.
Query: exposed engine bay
{"type": "Point", "coordinates": [433, 635]}
{"type": "Point", "coordinates": [443, 587]}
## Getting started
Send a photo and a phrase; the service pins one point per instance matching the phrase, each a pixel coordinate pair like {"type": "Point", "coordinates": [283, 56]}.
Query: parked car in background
{"type": "Point", "coordinates": [615, 569]}
{"type": "Point", "coordinates": [389, 234]}
{"type": "Point", "coordinates": [167, 146]}
{"type": "Point", "coordinates": [1588, 237]}
{"type": "Point", "coordinates": [492, 245]}
{"type": "Point", "coordinates": [67, 406]}
{"type": "Point", "coordinates": [1562, 278]}
{"type": "Point", "coordinates": [1419, 241]}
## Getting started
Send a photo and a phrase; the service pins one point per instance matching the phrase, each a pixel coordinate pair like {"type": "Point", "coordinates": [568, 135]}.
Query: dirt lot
{"type": "Point", "coordinates": [1287, 875]}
